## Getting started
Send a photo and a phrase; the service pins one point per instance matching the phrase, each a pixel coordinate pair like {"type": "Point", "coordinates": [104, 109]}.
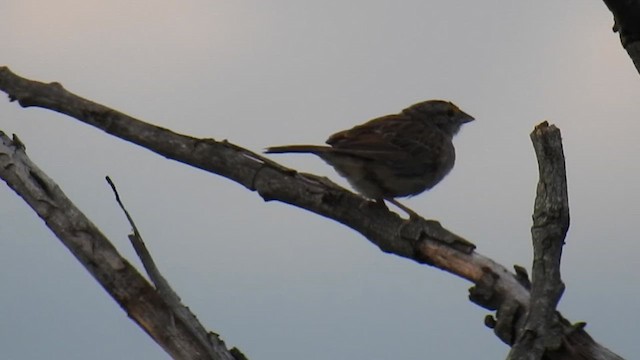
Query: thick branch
{"type": "Point", "coordinates": [542, 331]}
{"type": "Point", "coordinates": [422, 241]}
{"type": "Point", "coordinates": [626, 15]}
{"type": "Point", "coordinates": [121, 280]}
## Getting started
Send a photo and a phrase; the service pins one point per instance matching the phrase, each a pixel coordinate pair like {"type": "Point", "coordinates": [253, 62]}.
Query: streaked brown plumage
{"type": "Point", "coordinates": [395, 155]}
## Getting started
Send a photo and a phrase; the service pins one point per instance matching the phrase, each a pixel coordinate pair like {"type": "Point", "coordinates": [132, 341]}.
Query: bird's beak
{"type": "Point", "coordinates": [466, 117]}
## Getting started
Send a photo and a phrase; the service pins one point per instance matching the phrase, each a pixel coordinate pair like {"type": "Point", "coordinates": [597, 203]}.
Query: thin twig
{"type": "Point", "coordinates": [143, 253]}
{"type": "Point", "coordinates": [162, 285]}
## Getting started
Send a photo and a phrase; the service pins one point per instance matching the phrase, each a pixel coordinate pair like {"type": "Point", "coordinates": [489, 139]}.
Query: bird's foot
{"type": "Point", "coordinates": [412, 214]}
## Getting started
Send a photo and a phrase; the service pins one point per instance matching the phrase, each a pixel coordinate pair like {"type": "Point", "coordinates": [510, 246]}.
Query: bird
{"type": "Point", "coordinates": [398, 155]}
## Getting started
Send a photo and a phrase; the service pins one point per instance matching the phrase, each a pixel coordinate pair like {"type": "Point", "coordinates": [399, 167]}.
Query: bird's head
{"type": "Point", "coordinates": [443, 114]}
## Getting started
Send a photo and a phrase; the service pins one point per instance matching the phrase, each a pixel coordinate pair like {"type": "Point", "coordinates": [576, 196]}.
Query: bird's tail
{"type": "Point", "coordinates": [314, 149]}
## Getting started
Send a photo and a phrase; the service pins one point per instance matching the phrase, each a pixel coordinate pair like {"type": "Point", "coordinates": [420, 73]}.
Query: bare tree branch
{"type": "Point", "coordinates": [424, 241]}
{"type": "Point", "coordinates": [542, 332]}
{"type": "Point", "coordinates": [94, 251]}
{"type": "Point", "coordinates": [626, 15]}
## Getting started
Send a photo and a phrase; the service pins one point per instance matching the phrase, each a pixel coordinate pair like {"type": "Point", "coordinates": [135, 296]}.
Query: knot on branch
{"type": "Point", "coordinates": [418, 229]}
{"type": "Point", "coordinates": [484, 292]}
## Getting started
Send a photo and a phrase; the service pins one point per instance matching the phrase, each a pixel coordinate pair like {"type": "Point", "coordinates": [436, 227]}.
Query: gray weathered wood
{"type": "Point", "coordinates": [96, 253]}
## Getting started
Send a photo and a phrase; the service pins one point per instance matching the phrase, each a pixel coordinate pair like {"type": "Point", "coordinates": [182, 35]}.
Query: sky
{"type": "Point", "coordinates": [280, 282]}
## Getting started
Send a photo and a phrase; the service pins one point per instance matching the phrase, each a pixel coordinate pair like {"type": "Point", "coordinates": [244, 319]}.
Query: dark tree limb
{"type": "Point", "coordinates": [541, 331]}
{"type": "Point", "coordinates": [424, 241]}
{"type": "Point", "coordinates": [135, 295]}
{"type": "Point", "coordinates": [626, 15]}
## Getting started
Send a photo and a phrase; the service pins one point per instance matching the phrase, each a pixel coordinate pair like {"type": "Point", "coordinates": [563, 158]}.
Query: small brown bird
{"type": "Point", "coordinates": [395, 155]}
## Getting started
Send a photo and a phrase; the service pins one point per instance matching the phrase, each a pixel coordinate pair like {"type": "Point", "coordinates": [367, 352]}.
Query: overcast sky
{"type": "Point", "coordinates": [278, 282]}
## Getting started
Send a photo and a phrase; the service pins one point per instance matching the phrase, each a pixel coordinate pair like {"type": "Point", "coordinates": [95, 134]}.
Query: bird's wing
{"type": "Point", "coordinates": [390, 138]}
{"type": "Point", "coordinates": [370, 140]}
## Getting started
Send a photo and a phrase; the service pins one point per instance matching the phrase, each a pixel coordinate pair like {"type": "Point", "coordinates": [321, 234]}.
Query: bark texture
{"type": "Point", "coordinates": [542, 332]}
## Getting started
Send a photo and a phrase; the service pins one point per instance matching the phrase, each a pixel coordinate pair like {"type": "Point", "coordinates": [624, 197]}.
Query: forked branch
{"type": "Point", "coordinates": [424, 241]}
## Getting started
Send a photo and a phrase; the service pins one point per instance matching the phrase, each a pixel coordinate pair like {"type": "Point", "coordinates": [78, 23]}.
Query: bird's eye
{"type": "Point", "coordinates": [451, 112]}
